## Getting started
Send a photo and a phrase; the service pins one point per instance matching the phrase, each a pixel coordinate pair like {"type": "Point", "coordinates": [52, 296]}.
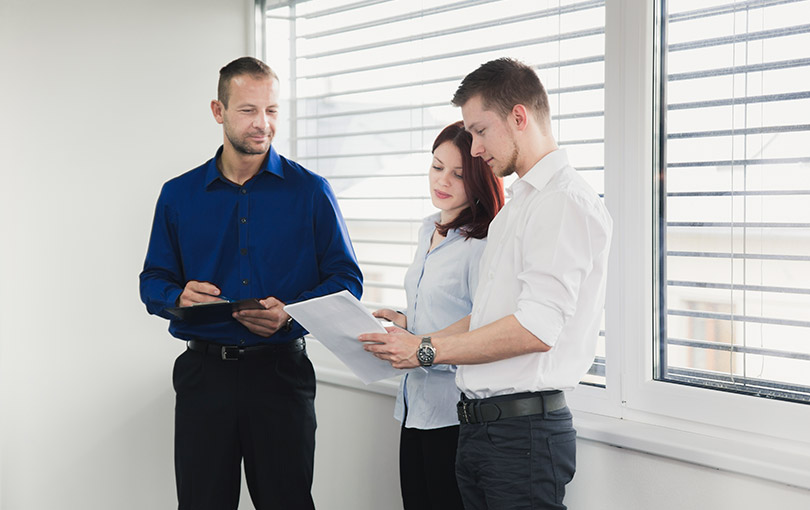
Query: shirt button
{"type": "Point", "coordinates": [243, 220]}
{"type": "Point", "coordinates": [245, 281]}
{"type": "Point", "coordinates": [244, 192]}
{"type": "Point", "coordinates": [491, 275]}
{"type": "Point", "coordinates": [243, 251]}
{"type": "Point", "coordinates": [242, 341]}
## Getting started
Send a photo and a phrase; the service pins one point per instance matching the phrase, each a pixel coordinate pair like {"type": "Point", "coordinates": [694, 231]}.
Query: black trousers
{"type": "Point", "coordinates": [427, 475]}
{"type": "Point", "coordinates": [519, 463]}
{"type": "Point", "coordinates": [260, 410]}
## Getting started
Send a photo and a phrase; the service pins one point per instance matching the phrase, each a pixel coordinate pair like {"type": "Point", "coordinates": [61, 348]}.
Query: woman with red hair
{"type": "Point", "coordinates": [440, 285]}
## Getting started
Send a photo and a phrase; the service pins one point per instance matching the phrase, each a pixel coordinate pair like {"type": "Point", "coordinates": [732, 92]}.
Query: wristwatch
{"type": "Point", "coordinates": [426, 352]}
{"type": "Point", "coordinates": [287, 325]}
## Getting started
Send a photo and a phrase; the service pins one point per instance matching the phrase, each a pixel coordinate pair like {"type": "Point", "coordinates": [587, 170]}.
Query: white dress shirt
{"type": "Point", "coordinates": [439, 285]}
{"type": "Point", "coordinates": [545, 263]}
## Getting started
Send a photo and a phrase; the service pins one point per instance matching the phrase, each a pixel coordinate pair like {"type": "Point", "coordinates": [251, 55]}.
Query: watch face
{"type": "Point", "coordinates": [425, 354]}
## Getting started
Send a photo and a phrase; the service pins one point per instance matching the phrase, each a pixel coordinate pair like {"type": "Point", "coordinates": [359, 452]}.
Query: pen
{"type": "Point", "coordinates": [224, 298]}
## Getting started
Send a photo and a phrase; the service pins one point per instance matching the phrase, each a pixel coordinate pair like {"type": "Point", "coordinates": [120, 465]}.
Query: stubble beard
{"type": "Point", "coordinates": [511, 165]}
{"type": "Point", "coordinates": [243, 146]}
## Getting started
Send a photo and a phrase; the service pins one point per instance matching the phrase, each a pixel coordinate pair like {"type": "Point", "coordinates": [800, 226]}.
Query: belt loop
{"type": "Point", "coordinates": [545, 406]}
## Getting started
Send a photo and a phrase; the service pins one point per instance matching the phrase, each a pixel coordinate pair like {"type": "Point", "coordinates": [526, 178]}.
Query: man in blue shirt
{"type": "Point", "coordinates": [249, 223]}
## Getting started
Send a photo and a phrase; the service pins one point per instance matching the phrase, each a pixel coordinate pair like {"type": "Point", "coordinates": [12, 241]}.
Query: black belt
{"type": "Point", "coordinates": [498, 408]}
{"type": "Point", "coordinates": [235, 352]}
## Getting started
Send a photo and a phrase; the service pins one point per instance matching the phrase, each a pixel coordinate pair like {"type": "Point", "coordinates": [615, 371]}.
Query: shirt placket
{"type": "Point", "coordinates": [243, 207]}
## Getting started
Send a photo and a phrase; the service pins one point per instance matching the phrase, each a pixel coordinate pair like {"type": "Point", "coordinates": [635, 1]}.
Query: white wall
{"type": "Point", "coordinates": [102, 101]}
{"type": "Point", "coordinates": [608, 478]}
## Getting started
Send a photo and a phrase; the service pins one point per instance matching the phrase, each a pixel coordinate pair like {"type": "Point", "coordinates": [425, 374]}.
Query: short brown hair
{"type": "Point", "coordinates": [241, 66]}
{"type": "Point", "coordinates": [502, 84]}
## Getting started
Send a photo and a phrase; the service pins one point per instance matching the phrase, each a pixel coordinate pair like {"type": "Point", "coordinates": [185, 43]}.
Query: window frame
{"type": "Point", "coordinates": [738, 433]}
{"type": "Point", "coordinates": [734, 432]}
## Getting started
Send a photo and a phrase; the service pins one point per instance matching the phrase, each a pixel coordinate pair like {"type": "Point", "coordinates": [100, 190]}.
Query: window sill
{"type": "Point", "coordinates": [777, 460]}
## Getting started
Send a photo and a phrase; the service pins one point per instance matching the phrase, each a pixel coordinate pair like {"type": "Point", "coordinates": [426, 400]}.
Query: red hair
{"type": "Point", "coordinates": [484, 190]}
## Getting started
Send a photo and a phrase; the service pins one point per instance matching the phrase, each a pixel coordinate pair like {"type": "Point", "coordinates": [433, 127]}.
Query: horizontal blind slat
{"type": "Point", "coordinates": [741, 162]}
{"type": "Point", "coordinates": [745, 69]}
{"type": "Point", "coordinates": [737, 348]}
{"type": "Point", "coordinates": [713, 103]}
{"type": "Point", "coordinates": [740, 38]}
{"type": "Point", "coordinates": [739, 132]}
{"type": "Point", "coordinates": [737, 286]}
{"type": "Point", "coordinates": [498, 22]}
{"type": "Point", "coordinates": [726, 9]}
{"type": "Point", "coordinates": [462, 53]}
{"type": "Point", "coordinates": [739, 318]}
{"type": "Point", "coordinates": [751, 256]}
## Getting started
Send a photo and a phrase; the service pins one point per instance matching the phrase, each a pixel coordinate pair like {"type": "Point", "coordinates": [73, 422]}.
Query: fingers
{"type": "Point", "coordinates": [397, 347]}
{"type": "Point", "coordinates": [385, 313]}
{"type": "Point", "coordinates": [198, 292]}
{"type": "Point", "coordinates": [258, 325]}
{"type": "Point", "coordinates": [263, 322]}
{"type": "Point", "coordinates": [203, 288]}
{"type": "Point", "coordinates": [373, 338]}
{"type": "Point", "coordinates": [271, 302]}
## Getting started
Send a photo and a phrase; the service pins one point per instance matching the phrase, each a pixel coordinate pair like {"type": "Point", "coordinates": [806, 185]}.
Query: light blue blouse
{"type": "Point", "coordinates": [440, 286]}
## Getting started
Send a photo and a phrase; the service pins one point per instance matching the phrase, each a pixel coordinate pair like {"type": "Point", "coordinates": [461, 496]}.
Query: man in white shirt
{"type": "Point", "coordinates": [535, 319]}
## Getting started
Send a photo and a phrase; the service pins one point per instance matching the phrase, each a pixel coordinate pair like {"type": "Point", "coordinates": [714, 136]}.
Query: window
{"type": "Point", "coordinates": [369, 85]}
{"type": "Point", "coordinates": [736, 197]}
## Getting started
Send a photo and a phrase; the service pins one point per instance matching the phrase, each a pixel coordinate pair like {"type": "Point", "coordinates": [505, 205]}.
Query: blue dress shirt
{"type": "Point", "coordinates": [281, 234]}
{"type": "Point", "coordinates": [440, 286]}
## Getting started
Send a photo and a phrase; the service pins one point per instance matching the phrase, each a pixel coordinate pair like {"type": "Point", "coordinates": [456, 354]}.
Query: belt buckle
{"type": "Point", "coordinates": [464, 412]}
{"type": "Point", "coordinates": [230, 353]}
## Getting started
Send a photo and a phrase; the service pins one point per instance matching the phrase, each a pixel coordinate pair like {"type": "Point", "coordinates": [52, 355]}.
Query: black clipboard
{"type": "Point", "coordinates": [215, 311]}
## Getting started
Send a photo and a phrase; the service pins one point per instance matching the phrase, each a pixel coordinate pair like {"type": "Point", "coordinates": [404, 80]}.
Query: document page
{"type": "Point", "coordinates": [336, 321]}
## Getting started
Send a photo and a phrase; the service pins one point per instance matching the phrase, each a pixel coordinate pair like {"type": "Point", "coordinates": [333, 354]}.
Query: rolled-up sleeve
{"type": "Point", "coordinates": [556, 258]}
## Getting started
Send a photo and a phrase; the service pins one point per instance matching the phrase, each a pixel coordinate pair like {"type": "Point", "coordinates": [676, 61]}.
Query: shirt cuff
{"type": "Point", "coordinates": [541, 321]}
{"type": "Point", "coordinates": [172, 297]}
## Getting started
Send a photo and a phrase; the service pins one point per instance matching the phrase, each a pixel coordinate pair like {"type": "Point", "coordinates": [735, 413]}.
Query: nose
{"type": "Point", "coordinates": [261, 121]}
{"type": "Point", "coordinates": [476, 148]}
{"type": "Point", "coordinates": [444, 178]}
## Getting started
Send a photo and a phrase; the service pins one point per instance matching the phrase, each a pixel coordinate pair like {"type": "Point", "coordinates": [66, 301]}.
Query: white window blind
{"type": "Point", "coordinates": [369, 84]}
{"type": "Point", "coordinates": [735, 197]}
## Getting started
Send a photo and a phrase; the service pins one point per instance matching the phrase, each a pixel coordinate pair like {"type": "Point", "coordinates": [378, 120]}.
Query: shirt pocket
{"type": "Point", "coordinates": [447, 293]}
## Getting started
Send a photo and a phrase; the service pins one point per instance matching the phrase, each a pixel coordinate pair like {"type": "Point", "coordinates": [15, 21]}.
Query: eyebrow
{"type": "Point", "coordinates": [251, 105]}
{"type": "Point", "coordinates": [442, 162]}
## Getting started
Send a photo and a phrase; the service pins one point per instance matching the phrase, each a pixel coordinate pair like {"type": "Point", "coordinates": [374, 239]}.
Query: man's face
{"type": "Point", "coordinates": [492, 138]}
{"type": "Point", "coordinates": [250, 119]}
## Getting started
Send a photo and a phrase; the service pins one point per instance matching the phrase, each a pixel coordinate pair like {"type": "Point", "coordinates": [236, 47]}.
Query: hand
{"type": "Point", "coordinates": [264, 322]}
{"type": "Point", "coordinates": [397, 318]}
{"type": "Point", "coordinates": [198, 292]}
{"type": "Point", "coordinates": [397, 347]}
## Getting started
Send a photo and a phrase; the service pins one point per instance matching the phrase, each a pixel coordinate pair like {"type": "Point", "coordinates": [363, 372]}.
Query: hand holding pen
{"type": "Point", "coordinates": [199, 292]}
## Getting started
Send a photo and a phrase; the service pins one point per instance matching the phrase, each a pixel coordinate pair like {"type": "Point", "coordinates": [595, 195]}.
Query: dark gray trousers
{"type": "Point", "coordinates": [517, 463]}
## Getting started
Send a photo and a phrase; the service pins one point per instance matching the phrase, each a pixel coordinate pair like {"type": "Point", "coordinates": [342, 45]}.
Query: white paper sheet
{"type": "Point", "coordinates": [336, 320]}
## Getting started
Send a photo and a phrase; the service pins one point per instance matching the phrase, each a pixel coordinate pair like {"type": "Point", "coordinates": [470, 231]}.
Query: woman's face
{"type": "Point", "coordinates": [446, 181]}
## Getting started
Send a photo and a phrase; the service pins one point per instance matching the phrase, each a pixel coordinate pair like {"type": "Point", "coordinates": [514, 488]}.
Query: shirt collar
{"type": "Point", "coordinates": [430, 224]}
{"type": "Point", "coordinates": [539, 175]}
{"type": "Point", "coordinates": [271, 165]}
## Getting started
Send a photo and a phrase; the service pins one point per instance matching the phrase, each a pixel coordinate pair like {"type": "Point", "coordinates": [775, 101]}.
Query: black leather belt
{"type": "Point", "coordinates": [236, 352]}
{"type": "Point", "coordinates": [498, 408]}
